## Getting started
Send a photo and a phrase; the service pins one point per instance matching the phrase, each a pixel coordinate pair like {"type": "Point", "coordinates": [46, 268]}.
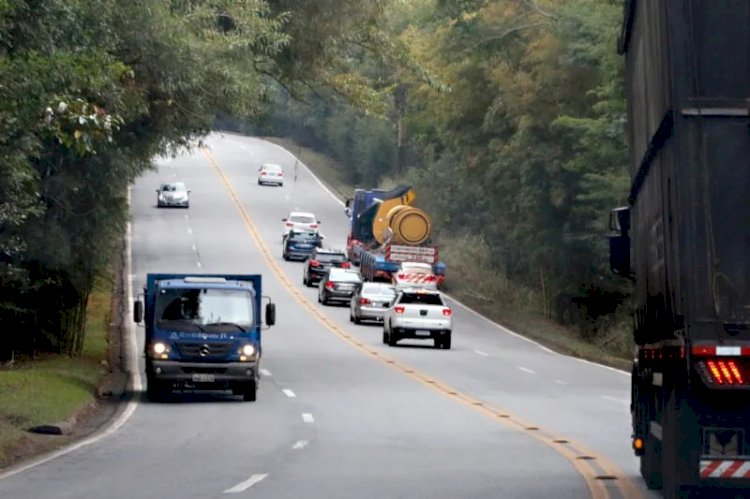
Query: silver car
{"type": "Point", "coordinates": [173, 194]}
{"type": "Point", "coordinates": [371, 302]}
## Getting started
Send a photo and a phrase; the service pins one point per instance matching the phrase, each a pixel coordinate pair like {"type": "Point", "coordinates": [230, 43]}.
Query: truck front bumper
{"type": "Point", "coordinates": [202, 373]}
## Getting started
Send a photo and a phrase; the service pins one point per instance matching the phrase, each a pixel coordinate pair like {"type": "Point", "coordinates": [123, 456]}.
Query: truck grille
{"type": "Point", "coordinates": [204, 350]}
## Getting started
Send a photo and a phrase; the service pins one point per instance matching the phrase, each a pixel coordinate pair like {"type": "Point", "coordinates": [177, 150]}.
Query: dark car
{"type": "Point", "coordinates": [338, 285]}
{"type": "Point", "coordinates": [318, 263]}
{"type": "Point", "coordinates": [297, 245]}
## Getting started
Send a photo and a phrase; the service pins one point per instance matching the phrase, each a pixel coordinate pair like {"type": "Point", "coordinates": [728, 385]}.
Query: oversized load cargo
{"type": "Point", "coordinates": [387, 230]}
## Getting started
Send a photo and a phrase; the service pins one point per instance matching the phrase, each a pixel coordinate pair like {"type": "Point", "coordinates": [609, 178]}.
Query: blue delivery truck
{"type": "Point", "coordinates": [203, 332]}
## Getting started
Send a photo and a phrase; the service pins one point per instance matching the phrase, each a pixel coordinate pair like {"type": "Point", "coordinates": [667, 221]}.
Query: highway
{"type": "Point", "coordinates": [339, 414]}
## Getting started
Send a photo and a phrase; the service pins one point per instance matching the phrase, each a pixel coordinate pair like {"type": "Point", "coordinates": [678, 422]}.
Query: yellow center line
{"type": "Point", "coordinates": [580, 457]}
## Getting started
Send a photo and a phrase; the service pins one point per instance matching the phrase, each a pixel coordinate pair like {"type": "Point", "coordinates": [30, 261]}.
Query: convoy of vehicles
{"type": "Point", "coordinates": [173, 194]}
{"type": "Point", "coordinates": [688, 87]}
{"type": "Point", "coordinates": [202, 332]}
{"type": "Point", "coordinates": [386, 230]}
{"type": "Point", "coordinates": [319, 261]}
{"type": "Point", "coordinates": [270, 173]}
{"type": "Point", "coordinates": [418, 314]}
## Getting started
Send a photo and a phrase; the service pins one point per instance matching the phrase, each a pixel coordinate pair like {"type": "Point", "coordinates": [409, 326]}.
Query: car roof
{"type": "Point", "coordinates": [343, 271]}
{"type": "Point", "coordinates": [301, 213]}
{"type": "Point", "coordinates": [420, 291]}
{"type": "Point", "coordinates": [271, 165]}
{"type": "Point", "coordinates": [173, 184]}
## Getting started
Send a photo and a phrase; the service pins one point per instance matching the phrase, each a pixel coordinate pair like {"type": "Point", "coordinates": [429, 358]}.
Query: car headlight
{"type": "Point", "coordinates": [160, 350]}
{"type": "Point", "coordinates": [162, 197]}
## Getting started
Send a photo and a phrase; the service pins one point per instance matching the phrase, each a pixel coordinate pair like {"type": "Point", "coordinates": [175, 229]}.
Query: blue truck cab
{"type": "Point", "coordinates": [203, 332]}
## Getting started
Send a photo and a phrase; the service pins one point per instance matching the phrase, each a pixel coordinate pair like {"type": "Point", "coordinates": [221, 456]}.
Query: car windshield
{"type": "Point", "coordinates": [330, 257]}
{"type": "Point", "coordinates": [303, 236]}
{"type": "Point", "coordinates": [421, 298]}
{"type": "Point", "coordinates": [303, 219]}
{"type": "Point", "coordinates": [374, 288]}
{"type": "Point", "coordinates": [271, 168]}
{"type": "Point", "coordinates": [190, 309]}
{"type": "Point", "coordinates": [178, 187]}
{"type": "Point", "coordinates": [339, 275]}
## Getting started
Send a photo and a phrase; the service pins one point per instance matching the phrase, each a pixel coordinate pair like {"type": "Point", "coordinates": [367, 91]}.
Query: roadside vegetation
{"type": "Point", "coordinates": [512, 134]}
{"type": "Point", "coordinates": [52, 387]}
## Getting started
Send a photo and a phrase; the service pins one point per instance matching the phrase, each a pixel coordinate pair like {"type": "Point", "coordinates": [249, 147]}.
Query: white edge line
{"type": "Point", "coordinates": [466, 307]}
{"type": "Point", "coordinates": [243, 486]}
{"type": "Point", "coordinates": [561, 382]}
{"type": "Point", "coordinates": [526, 370]}
{"type": "Point", "coordinates": [616, 400]}
{"type": "Point", "coordinates": [483, 354]}
{"type": "Point", "coordinates": [134, 377]}
{"type": "Point", "coordinates": [307, 417]}
{"type": "Point", "coordinates": [300, 444]}
{"type": "Point", "coordinates": [288, 393]}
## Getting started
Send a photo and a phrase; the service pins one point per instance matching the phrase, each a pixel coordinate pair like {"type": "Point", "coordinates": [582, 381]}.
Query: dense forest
{"type": "Point", "coordinates": [92, 90]}
{"type": "Point", "coordinates": [511, 128]}
{"type": "Point", "coordinates": [506, 115]}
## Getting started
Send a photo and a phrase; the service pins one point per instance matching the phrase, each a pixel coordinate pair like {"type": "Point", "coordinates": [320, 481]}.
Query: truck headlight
{"type": "Point", "coordinates": [247, 350]}
{"type": "Point", "coordinates": [159, 348]}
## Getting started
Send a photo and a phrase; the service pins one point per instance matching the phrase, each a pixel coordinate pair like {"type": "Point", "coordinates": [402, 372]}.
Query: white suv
{"type": "Point", "coordinates": [418, 314]}
{"type": "Point", "coordinates": [300, 221]}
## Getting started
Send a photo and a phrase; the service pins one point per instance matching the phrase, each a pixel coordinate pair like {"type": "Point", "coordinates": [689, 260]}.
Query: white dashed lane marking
{"type": "Point", "coordinates": [265, 372]}
{"type": "Point", "coordinates": [300, 445]}
{"type": "Point", "coordinates": [526, 370]}
{"type": "Point", "coordinates": [483, 354]}
{"type": "Point", "coordinates": [307, 417]}
{"type": "Point", "coordinates": [243, 486]}
{"type": "Point", "coordinates": [289, 393]}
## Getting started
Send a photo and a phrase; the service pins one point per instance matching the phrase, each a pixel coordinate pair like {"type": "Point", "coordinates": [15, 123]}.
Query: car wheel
{"type": "Point", "coordinates": [446, 343]}
{"type": "Point", "coordinates": [385, 337]}
{"type": "Point", "coordinates": [357, 320]}
{"type": "Point", "coordinates": [260, 183]}
{"type": "Point", "coordinates": [250, 394]}
{"type": "Point", "coordinates": [187, 206]}
{"type": "Point", "coordinates": [392, 339]}
{"type": "Point", "coordinates": [319, 300]}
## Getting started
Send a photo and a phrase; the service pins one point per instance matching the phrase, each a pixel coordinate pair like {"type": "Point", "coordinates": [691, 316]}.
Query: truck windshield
{"type": "Point", "coordinates": [201, 309]}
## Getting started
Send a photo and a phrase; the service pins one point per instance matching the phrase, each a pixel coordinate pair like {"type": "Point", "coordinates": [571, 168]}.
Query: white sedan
{"type": "Point", "coordinates": [270, 173]}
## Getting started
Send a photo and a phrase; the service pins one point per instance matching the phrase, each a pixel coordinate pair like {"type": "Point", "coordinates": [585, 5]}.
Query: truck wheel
{"type": "Point", "coordinates": [250, 394]}
{"type": "Point", "coordinates": [156, 391]}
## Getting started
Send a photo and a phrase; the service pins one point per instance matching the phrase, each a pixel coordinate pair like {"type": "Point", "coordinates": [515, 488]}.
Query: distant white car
{"type": "Point", "coordinates": [271, 173]}
{"type": "Point", "coordinates": [300, 221]}
{"type": "Point", "coordinates": [415, 275]}
{"type": "Point", "coordinates": [173, 194]}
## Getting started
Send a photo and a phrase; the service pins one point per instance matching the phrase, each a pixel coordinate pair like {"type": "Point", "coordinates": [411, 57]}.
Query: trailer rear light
{"type": "Point", "coordinates": [364, 301]}
{"type": "Point", "coordinates": [314, 263]}
{"type": "Point", "coordinates": [399, 310]}
{"type": "Point", "coordinates": [330, 285]}
{"type": "Point", "coordinates": [447, 312]}
{"type": "Point", "coordinates": [723, 372]}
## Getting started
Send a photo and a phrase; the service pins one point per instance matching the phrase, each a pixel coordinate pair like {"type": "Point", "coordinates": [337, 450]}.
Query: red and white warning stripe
{"type": "Point", "coordinates": [725, 468]}
{"type": "Point", "coordinates": [415, 278]}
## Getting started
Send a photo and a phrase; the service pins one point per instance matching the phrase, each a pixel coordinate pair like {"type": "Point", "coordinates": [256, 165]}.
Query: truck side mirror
{"type": "Point", "coordinates": [619, 220]}
{"type": "Point", "coordinates": [619, 255]}
{"type": "Point", "coordinates": [270, 314]}
{"type": "Point", "coordinates": [348, 207]}
{"type": "Point", "coordinates": [137, 311]}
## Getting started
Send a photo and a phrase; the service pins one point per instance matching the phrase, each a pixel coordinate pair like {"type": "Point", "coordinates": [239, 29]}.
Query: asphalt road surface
{"type": "Point", "coordinates": [339, 414]}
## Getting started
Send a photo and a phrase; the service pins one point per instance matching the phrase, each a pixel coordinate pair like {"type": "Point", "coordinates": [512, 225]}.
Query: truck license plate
{"type": "Point", "coordinates": [422, 332]}
{"type": "Point", "coordinates": [203, 378]}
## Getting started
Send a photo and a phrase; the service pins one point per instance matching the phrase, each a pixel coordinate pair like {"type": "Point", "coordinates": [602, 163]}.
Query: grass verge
{"type": "Point", "coordinates": [55, 387]}
{"type": "Point", "coordinates": [491, 295]}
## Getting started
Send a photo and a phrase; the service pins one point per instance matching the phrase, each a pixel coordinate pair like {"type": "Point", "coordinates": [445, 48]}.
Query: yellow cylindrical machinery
{"type": "Point", "coordinates": [405, 225]}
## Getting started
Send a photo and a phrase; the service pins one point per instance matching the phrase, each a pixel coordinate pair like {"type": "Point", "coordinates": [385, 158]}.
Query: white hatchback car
{"type": "Point", "coordinates": [270, 173]}
{"type": "Point", "coordinates": [300, 221]}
